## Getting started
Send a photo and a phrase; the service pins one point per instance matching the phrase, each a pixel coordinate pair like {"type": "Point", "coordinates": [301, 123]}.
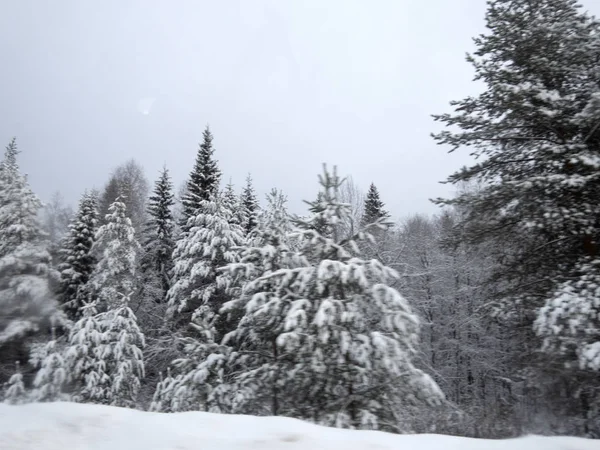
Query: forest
{"type": "Point", "coordinates": [482, 320]}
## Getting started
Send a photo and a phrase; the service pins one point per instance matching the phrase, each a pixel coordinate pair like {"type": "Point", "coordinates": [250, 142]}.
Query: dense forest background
{"type": "Point", "coordinates": [482, 320]}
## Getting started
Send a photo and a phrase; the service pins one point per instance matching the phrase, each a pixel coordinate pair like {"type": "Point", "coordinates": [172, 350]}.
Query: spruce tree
{"type": "Point", "coordinates": [209, 244]}
{"type": "Point", "coordinates": [203, 182]}
{"type": "Point", "coordinates": [51, 379]}
{"type": "Point", "coordinates": [76, 252]}
{"type": "Point", "coordinates": [19, 206]}
{"type": "Point", "coordinates": [374, 208]}
{"type": "Point", "coordinates": [195, 300]}
{"type": "Point", "coordinates": [116, 249]}
{"type": "Point", "coordinates": [259, 365]}
{"type": "Point", "coordinates": [535, 131]}
{"type": "Point", "coordinates": [102, 361]}
{"type": "Point", "coordinates": [14, 390]}
{"type": "Point", "coordinates": [103, 356]}
{"type": "Point", "coordinates": [249, 206]}
{"type": "Point", "coordinates": [232, 203]}
{"type": "Point", "coordinates": [158, 243]}
{"type": "Point", "coordinates": [27, 280]}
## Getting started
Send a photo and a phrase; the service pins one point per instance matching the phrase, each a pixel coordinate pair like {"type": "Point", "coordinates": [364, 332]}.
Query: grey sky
{"type": "Point", "coordinates": [284, 85]}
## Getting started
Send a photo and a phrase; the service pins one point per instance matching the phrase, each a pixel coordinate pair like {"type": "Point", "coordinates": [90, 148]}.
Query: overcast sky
{"type": "Point", "coordinates": [285, 86]}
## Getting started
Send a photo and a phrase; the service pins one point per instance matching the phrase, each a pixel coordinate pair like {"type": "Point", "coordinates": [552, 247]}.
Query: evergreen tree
{"type": "Point", "coordinates": [341, 340]}
{"type": "Point", "coordinates": [259, 365]}
{"type": "Point", "coordinates": [103, 359]}
{"type": "Point", "coordinates": [249, 206]}
{"type": "Point", "coordinates": [78, 261]}
{"type": "Point", "coordinates": [158, 243]}
{"type": "Point", "coordinates": [203, 182]}
{"type": "Point", "coordinates": [535, 131]}
{"type": "Point", "coordinates": [374, 208]}
{"type": "Point", "coordinates": [50, 382]}
{"type": "Point", "coordinates": [116, 250]}
{"type": "Point", "coordinates": [232, 203]}
{"type": "Point", "coordinates": [19, 206]}
{"type": "Point", "coordinates": [195, 300]}
{"type": "Point", "coordinates": [26, 277]}
{"type": "Point", "coordinates": [14, 391]}
{"type": "Point", "coordinates": [208, 245]}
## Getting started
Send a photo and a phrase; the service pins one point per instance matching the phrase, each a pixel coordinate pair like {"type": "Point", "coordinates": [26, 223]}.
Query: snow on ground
{"type": "Point", "coordinates": [71, 426]}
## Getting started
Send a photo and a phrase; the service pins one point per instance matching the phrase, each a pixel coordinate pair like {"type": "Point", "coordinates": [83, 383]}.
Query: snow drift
{"type": "Point", "coordinates": [60, 426]}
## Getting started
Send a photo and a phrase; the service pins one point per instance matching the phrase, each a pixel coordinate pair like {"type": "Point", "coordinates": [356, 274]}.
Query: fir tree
{"type": "Point", "coordinates": [26, 277]}
{"type": "Point", "coordinates": [19, 206]}
{"type": "Point", "coordinates": [14, 391]}
{"type": "Point", "coordinates": [374, 208]}
{"type": "Point", "coordinates": [232, 203]}
{"type": "Point", "coordinates": [259, 365]}
{"type": "Point", "coordinates": [208, 245]}
{"type": "Point", "coordinates": [51, 379]}
{"type": "Point", "coordinates": [103, 359]}
{"type": "Point", "coordinates": [249, 206]}
{"type": "Point", "coordinates": [78, 261]}
{"type": "Point", "coordinates": [195, 300]}
{"type": "Point", "coordinates": [203, 182]}
{"type": "Point", "coordinates": [158, 244]}
{"type": "Point", "coordinates": [116, 250]}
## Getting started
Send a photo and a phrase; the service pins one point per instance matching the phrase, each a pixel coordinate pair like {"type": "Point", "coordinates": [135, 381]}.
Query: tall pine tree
{"type": "Point", "coordinates": [158, 242]}
{"type": "Point", "coordinates": [208, 245]}
{"type": "Point", "coordinates": [27, 280]}
{"type": "Point", "coordinates": [374, 208]}
{"type": "Point", "coordinates": [259, 364]}
{"type": "Point", "coordinates": [535, 130]}
{"type": "Point", "coordinates": [116, 250]}
{"type": "Point", "coordinates": [203, 182]}
{"type": "Point", "coordinates": [249, 205]}
{"type": "Point", "coordinates": [78, 260]}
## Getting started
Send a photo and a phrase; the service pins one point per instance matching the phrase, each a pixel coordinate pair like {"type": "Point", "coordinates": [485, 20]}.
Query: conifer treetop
{"type": "Point", "coordinates": [204, 179]}
{"type": "Point", "coordinates": [374, 208]}
{"type": "Point", "coordinates": [250, 207]}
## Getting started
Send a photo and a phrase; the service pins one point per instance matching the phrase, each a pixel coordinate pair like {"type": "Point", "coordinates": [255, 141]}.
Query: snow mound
{"type": "Point", "coordinates": [60, 426]}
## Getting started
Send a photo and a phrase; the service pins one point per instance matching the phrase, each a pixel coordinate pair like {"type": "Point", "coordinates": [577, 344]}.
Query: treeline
{"type": "Point", "coordinates": [483, 320]}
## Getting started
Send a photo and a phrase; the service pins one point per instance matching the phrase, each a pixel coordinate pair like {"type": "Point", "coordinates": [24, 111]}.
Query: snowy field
{"type": "Point", "coordinates": [71, 426]}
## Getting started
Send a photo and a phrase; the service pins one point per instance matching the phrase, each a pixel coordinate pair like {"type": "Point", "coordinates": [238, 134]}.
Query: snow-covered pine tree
{"type": "Point", "coordinates": [203, 182]}
{"type": "Point", "coordinates": [345, 339]}
{"type": "Point", "coordinates": [195, 299]}
{"type": "Point", "coordinates": [209, 244]}
{"type": "Point", "coordinates": [201, 381]}
{"type": "Point", "coordinates": [116, 250]}
{"type": "Point", "coordinates": [373, 210]}
{"type": "Point", "coordinates": [259, 365]}
{"type": "Point", "coordinates": [76, 252]}
{"type": "Point", "coordinates": [27, 280]}
{"type": "Point", "coordinates": [158, 243]}
{"type": "Point", "coordinates": [121, 351]}
{"type": "Point", "coordinates": [232, 203]}
{"type": "Point", "coordinates": [103, 359]}
{"type": "Point", "coordinates": [249, 206]}
{"type": "Point", "coordinates": [14, 390]}
{"type": "Point", "coordinates": [535, 130]}
{"type": "Point", "coordinates": [51, 379]}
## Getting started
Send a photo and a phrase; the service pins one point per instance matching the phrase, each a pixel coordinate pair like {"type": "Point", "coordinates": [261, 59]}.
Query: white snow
{"type": "Point", "coordinates": [60, 426]}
